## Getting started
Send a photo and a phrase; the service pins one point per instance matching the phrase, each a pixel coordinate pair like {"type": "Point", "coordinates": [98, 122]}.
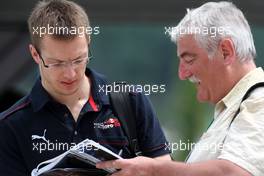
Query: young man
{"type": "Point", "coordinates": [65, 105]}
{"type": "Point", "coordinates": [221, 65]}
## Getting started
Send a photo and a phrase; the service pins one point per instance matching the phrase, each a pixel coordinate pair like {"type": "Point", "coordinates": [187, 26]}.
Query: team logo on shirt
{"type": "Point", "coordinates": [109, 123]}
{"type": "Point", "coordinates": [43, 137]}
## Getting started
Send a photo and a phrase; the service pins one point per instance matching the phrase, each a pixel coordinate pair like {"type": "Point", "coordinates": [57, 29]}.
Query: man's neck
{"type": "Point", "coordinates": [81, 94]}
{"type": "Point", "coordinates": [232, 76]}
{"type": "Point", "coordinates": [77, 100]}
{"type": "Point", "coordinates": [240, 70]}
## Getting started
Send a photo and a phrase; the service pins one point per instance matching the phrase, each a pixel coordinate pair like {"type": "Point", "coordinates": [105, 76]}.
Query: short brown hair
{"type": "Point", "coordinates": [56, 13]}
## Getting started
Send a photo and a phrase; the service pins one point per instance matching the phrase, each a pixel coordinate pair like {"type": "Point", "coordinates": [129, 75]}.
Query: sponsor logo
{"type": "Point", "coordinates": [108, 124]}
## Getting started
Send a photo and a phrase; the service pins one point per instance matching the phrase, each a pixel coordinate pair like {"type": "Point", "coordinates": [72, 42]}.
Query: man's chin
{"type": "Point", "coordinates": [67, 92]}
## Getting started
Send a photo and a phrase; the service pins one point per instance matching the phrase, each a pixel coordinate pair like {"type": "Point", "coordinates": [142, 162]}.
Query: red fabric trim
{"type": "Point", "coordinates": [16, 109]}
{"type": "Point", "coordinates": [93, 104]}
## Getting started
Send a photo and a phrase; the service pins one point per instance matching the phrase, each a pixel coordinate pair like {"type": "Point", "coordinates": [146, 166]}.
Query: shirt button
{"type": "Point", "coordinates": [66, 115]}
{"type": "Point", "coordinates": [75, 133]}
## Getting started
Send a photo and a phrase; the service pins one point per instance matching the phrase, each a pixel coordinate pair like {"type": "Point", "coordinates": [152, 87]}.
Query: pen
{"type": "Point", "coordinates": [120, 152]}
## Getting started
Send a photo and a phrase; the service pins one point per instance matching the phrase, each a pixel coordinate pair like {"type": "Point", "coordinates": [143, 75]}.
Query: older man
{"type": "Point", "coordinates": [217, 52]}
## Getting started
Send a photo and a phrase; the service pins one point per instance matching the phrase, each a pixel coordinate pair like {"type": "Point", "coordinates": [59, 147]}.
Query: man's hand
{"type": "Point", "coordinates": [142, 166]}
{"type": "Point", "coordinates": [139, 166]}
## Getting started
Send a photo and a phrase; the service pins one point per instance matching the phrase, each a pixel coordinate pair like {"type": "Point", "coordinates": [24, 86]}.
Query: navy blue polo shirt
{"type": "Point", "coordinates": [38, 128]}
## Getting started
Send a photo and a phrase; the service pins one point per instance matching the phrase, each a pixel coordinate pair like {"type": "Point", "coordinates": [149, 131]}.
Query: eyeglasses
{"type": "Point", "coordinates": [64, 64]}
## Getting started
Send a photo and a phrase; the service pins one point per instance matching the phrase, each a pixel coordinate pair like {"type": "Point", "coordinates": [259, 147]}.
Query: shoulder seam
{"type": "Point", "coordinates": [21, 106]}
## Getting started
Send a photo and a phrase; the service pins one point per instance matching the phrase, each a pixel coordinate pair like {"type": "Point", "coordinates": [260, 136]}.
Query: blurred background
{"type": "Point", "coordinates": [132, 46]}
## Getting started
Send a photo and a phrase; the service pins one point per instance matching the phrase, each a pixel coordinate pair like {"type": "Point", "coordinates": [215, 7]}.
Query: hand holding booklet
{"type": "Point", "coordinates": [78, 161]}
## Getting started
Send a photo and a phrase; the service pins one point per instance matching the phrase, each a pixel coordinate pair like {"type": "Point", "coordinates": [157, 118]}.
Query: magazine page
{"type": "Point", "coordinates": [81, 159]}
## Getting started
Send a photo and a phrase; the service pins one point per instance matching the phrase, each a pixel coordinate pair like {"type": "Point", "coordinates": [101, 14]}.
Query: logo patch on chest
{"type": "Point", "coordinates": [108, 124]}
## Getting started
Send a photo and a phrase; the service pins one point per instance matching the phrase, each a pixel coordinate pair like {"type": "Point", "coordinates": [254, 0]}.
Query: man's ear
{"type": "Point", "coordinates": [227, 50]}
{"type": "Point", "coordinates": [34, 53]}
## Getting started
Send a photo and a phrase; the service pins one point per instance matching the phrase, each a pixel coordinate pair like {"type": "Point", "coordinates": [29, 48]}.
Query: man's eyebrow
{"type": "Point", "coordinates": [59, 60]}
{"type": "Point", "coordinates": [82, 55]}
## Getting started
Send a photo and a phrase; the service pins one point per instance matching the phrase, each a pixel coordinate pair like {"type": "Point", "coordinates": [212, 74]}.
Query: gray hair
{"type": "Point", "coordinates": [214, 21]}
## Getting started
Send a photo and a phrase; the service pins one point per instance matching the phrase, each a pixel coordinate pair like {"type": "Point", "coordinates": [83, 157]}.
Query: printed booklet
{"type": "Point", "coordinates": [78, 161]}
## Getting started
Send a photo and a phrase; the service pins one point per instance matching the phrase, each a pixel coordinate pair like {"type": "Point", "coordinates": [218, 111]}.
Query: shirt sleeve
{"type": "Point", "coordinates": [244, 144]}
{"type": "Point", "coordinates": [11, 161]}
{"type": "Point", "coordinates": [150, 134]}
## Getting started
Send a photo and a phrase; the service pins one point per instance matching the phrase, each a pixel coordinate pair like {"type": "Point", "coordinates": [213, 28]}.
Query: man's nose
{"type": "Point", "coordinates": [69, 72]}
{"type": "Point", "coordinates": [183, 72]}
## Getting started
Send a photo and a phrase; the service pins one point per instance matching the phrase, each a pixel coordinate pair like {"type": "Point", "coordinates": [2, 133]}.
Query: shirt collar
{"type": "Point", "coordinates": [98, 87]}
{"type": "Point", "coordinates": [237, 92]}
{"type": "Point", "coordinates": [40, 97]}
